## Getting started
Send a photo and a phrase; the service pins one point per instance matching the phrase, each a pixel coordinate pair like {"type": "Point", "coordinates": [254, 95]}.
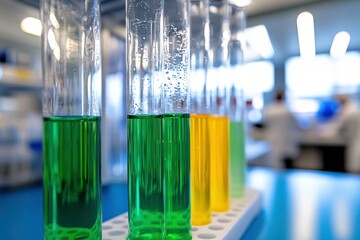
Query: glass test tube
{"type": "Point", "coordinates": [219, 121]}
{"type": "Point", "coordinates": [72, 117]}
{"type": "Point", "coordinates": [176, 118]}
{"type": "Point", "coordinates": [236, 113]}
{"type": "Point", "coordinates": [199, 119]}
{"type": "Point", "coordinates": [145, 143]}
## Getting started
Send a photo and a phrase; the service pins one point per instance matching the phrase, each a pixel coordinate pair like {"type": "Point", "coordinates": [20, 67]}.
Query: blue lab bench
{"type": "Point", "coordinates": [297, 204]}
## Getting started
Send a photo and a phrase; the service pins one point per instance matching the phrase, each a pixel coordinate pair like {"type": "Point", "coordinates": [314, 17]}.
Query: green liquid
{"type": "Point", "coordinates": [71, 178]}
{"type": "Point", "coordinates": [159, 176]}
{"type": "Point", "coordinates": [145, 177]}
{"type": "Point", "coordinates": [237, 159]}
{"type": "Point", "coordinates": [176, 137]}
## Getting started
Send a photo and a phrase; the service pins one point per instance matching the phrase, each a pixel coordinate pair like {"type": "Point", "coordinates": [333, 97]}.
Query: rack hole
{"type": "Point", "coordinates": [194, 229]}
{"type": "Point", "coordinates": [155, 222]}
{"type": "Point", "coordinates": [116, 233]}
{"type": "Point", "coordinates": [241, 205]}
{"type": "Point", "coordinates": [216, 227]}
{"type": "Point", "coordinates": [138, 223]}
{"type": "Point", "coordinates": [206, 236]}
{"type": "Point", "coordinates": [230, 214]}
{"type": "Point", "coordinates": [223, 220]}
{"type": "Point", "coordinates": [118, 221]}
{"type": "Point", "coordinates": [106, 227]}
{"type": "Point", "coordinates": [181, 223]}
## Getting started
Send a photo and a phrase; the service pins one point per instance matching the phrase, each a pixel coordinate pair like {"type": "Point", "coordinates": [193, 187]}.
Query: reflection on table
{"type": "Point", "coordinates": [302, 204]}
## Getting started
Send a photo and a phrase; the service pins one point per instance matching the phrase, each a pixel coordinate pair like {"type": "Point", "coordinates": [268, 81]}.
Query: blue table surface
{"type": "Point", "coordinates": [297, 204]}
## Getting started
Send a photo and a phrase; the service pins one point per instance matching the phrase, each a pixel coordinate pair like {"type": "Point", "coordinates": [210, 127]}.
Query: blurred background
{"type": "Point", "coordinates": [301, 87]}
{"type": "Point", "coordinates": [312, 66]}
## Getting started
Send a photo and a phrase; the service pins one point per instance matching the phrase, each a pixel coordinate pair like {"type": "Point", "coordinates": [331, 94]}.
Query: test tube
{"type": "Point", "coordinates": [176, 119]}
{"type": "Point", "coordinates": [71, 62]}
{"type": "Point", "coordinates": [219, 122]}
{"type": "Point", "coordinates": [199, 118]}
{"type": "Point", "coordinates": [236, 113]}
{"type": "Point", "coordinates": [144, 23]}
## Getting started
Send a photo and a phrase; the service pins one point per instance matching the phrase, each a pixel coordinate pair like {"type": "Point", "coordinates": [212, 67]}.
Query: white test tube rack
{"type": "Point", "coordinates": [228, 225]}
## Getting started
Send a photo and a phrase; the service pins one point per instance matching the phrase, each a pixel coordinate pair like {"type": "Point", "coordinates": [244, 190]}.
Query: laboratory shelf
{"type": "Point", "coordinates": [229, 225]}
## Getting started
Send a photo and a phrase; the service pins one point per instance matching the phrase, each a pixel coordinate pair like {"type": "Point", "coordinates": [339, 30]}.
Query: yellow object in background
{"type": "Point", "coordinates": [200, 169]}
{"type": "Point", "coordinates": [14, 74]}
{"type": "Point", "coordinates": [219, 160]}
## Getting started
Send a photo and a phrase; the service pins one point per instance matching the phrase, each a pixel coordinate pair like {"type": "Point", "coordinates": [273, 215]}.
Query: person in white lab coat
{"type": "Point", "coordinates": [347, 125]}
{"type": "Point", "coordinates": [281, 131]}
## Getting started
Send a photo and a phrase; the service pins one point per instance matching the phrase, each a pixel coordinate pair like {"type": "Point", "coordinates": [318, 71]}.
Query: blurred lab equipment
{"type": "Point", "coordinates": [327, 110]}
{"type": "Point", "coordinates": [346, 125]}
{"type": "Point", "coordinates": [281, 132]}
{"type": "Point", "coordinates": [20, 140]}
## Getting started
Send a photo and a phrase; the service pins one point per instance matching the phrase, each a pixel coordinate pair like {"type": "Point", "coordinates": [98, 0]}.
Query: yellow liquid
{"type": "Point", "coordinates": [219, 160]}
{"type": "Point", "coordinates": [200, 169]}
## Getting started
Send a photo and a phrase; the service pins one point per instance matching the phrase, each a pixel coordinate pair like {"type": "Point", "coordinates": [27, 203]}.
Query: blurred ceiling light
{"type": "Point", "coordinates": [306, 34]}
{"type": "Point", "coordinates": [259, 41]}
{"type": "Point", "coordinates": [240, 3]}
{"type": "Point", "coordinates": [31, 26]}
{"type": "Point", "coordinates": [258, 102]}
{"type": "Point", "coordinates": [213, 9]}
{"type": "Point", "coordinates": [340, 44]}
